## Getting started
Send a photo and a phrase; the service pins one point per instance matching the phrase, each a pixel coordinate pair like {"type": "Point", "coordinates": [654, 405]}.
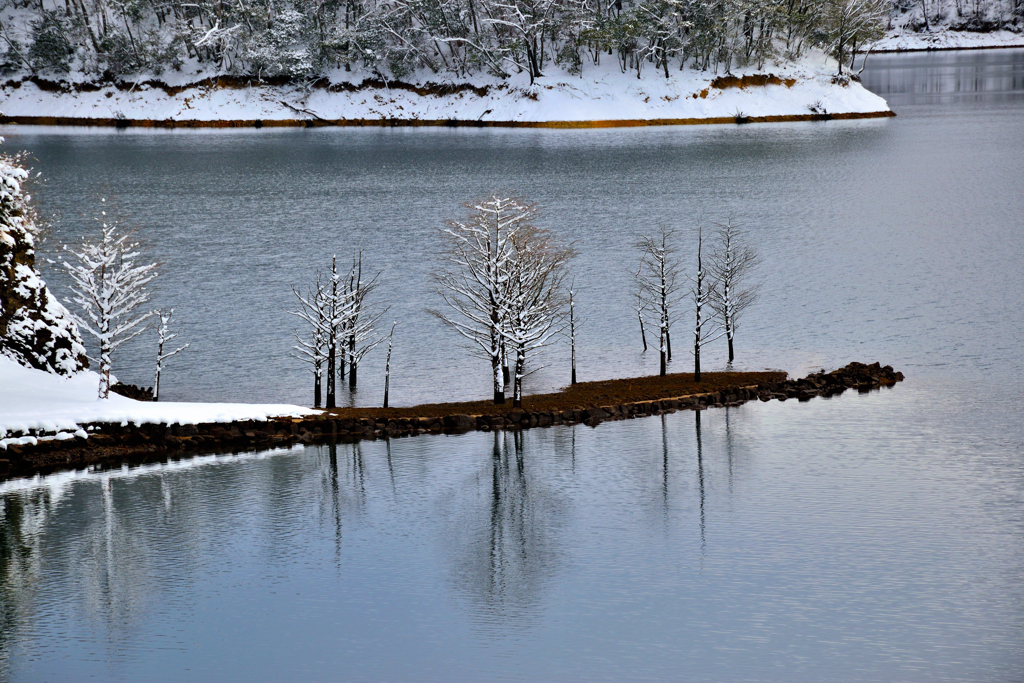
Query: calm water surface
{"type": "Point", "coordinates": [865, 537]}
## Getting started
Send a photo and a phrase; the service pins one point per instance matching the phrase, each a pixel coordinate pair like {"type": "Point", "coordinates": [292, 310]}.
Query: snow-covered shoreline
{"type": "Point", "coordinates": [946, 39]}
{"type": "Point", "coordinates": [37, 405]}
{"type": "Point", "coordinates": [604, 96]}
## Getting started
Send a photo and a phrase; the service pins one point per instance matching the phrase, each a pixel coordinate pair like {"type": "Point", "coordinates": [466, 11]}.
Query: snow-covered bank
{"type": "Point", "coordinates": [44, 403]}
{"type": "Point", "coordinates": [901, 40]}
{"type": "Point", "coordinates": [603, 95]}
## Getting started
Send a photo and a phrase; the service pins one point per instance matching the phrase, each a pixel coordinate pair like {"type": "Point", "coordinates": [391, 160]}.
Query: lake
{"type": "Point", "coordinates": [865, 537]}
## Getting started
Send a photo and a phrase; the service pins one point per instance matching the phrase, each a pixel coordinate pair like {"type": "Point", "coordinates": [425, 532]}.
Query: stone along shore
{"type": "Point", "coordinates": [589, 403]}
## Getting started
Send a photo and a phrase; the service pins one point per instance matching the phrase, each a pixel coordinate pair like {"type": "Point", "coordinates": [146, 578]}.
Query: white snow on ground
{"type": "Point", "coordinates": [944, 39]}
{"type": "Point", "coordinates": [602, 94]}
{"type": "Point", "coordinates": [60, 407]}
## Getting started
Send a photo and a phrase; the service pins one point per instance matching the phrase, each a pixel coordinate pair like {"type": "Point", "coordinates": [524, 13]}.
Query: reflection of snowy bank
{"type": "Point", "coordinates": [944, 39]}
{"type": "Point", "coordinates": [58, 483]}
{"type": "Point", "coordinates": [35, 403]}
{"type": "Point", "coordinates": [602, 94]}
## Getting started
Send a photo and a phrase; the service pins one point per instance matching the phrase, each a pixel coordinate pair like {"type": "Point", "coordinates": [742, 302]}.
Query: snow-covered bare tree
{"type": "Point", "coordinates": [359, 325]}
{"type": "Point", "coordinates": [109, 286]}
{"type": "Point", "coordinates": [658, 287]}
{"type": "Point", "coordinates": [705, 327]}
{"type": "Point", "coordinates": [341, 304]}
{"type": "Point", "coordinates": [534, 295]}
{"type": "Point", "coordinates": [639, 308]}
{"type": "Point", "coordinates": [163, 336]}
{"type": "Point", "coordinates": [311, 343]}
{"type": "Point", "coordinates": [847, 24]}
{"type": "Point", "coordinates": [387, 364]}
{"type": "Point", "coordinates": [473, 276]}
{"type": "Point", "coordinates": [574, 324]}
{"type": "Point", "coordinates": [731, 263]}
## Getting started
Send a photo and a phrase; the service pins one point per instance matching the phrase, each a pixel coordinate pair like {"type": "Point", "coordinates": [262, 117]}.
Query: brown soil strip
{"type": "Point", "coordinates": [397, 123]}
{"type": "Point", "coordinates": [589, 403]}
{"type": "Point", "coordinates": [581, 396]}
{"type": "Point", "coordinates": [752, 80]}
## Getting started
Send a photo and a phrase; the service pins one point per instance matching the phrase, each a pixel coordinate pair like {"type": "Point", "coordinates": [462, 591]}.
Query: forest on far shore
{"type": "Point", "coordinates": [307, 39]}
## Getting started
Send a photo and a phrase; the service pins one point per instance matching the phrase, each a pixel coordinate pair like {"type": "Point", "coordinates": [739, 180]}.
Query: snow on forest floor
{"type": "Point", "coordinates": [62, 406]}
{"type": "Point", "coordinates": [941, 38]}
{"type": "Point", "coordinates": [602, 94]}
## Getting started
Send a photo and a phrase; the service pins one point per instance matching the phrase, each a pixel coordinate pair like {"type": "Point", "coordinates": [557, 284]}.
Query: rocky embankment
{"type": "Point", "coordinates": [116, 443]}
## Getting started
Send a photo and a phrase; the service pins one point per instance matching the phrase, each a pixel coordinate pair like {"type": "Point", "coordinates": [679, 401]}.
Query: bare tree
{"type": "Point", "coordinates": [731, 263]}
{"type": "Point", "coordinates": [108, 287]}
{"type": "Point", "coordinates": [163, 336]}
{"type": "Point", "coordinates": [657, 287]}
{"type": "Point", "coordinates": [311, 347]}
{"type": "Point", "coordinates": [473, 277]}
{"type": "Point", "coordinates": [535, 304]}
{"type": "Point", "coordinates": [640, 316]}
{"type": "Point", "coordinates": [575, 324]}
{"type": "Point", "coordinates": [360, 322]}
{"type": "Point", "coordinates": [387, 364]}
{"type": "Point", "coordinates": [334, 312]}
{"type": "Point", "coordinates": [849, 23]}
{"type": "Point", "coordinates": [702, 285]}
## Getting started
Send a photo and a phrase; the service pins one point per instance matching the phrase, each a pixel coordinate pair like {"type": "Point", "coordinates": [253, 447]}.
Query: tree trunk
{"type": "Point", "coordinates": [574, 360]}
{"type": "Point", "coordinates": [499, 384]}
{"type": "Point", "coordinates": [104, 388]}
{"type": "Point", "coordinates": [517, 387]}
{"type": "Point", "coordinates": [352, 363]}
{"type": "Point", "coordinates": [728, 335]}
{"type": "Point", "coordinates": [643, 334]}
{"type": "Point", "coordinates": [159, 363]}
{"type": "Point", "coordinates": [505, 374]}
{"type": "Point", "coordinates": [332, 353]}
{"type": "Point", "coordinates": [696, 361]}
{"type": "Point", "coordinates": [662, 352]}
{"type": "Point", "coordinates": [316, 391]}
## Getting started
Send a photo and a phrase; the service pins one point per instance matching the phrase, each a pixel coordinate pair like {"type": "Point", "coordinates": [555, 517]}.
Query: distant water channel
{"type": "Point", "coordinates": [860, 538]}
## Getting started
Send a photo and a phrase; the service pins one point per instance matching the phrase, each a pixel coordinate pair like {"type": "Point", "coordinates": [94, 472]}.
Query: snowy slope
{"type": "Point", "coordinates": [602, 94]}
{"type": "Point", "coordinates": [39, 401]}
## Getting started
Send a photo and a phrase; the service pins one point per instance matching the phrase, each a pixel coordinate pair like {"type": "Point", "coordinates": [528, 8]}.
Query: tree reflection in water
{"type": "Point", "coordinates": [504, 530]}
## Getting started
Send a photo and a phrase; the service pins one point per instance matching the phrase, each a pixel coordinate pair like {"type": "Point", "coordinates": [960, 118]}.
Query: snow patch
{"type": "Point", "coordinates": [900, 40]}
{"type": "Point", "coordinates": [54, 407]}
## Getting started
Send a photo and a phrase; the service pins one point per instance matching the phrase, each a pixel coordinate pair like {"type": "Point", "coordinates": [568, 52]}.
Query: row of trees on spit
{"type": "Point", "coordinates": [305, 39]}
{"type": "Point", "coordinates": [507, 292]}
